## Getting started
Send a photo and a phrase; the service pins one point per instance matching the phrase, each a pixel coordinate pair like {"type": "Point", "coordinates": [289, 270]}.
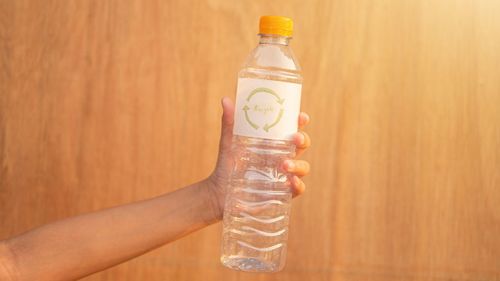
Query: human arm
{"type": "Point", "coordinates": [75, 247]}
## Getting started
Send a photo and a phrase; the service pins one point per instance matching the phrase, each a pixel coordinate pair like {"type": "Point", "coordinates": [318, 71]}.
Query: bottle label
{"type": "Point", "coordinates": [266, 109]}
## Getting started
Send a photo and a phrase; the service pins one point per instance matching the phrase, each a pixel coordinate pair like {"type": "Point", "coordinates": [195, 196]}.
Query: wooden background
{"type": "Point", "coordinates": [107, 102]}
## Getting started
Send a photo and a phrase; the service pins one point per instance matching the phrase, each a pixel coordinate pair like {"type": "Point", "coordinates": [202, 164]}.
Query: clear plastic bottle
{"type": "Point", "coordinates": [257, 207]}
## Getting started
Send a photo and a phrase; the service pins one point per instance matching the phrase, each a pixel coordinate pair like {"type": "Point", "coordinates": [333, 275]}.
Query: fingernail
{"type": "Point", "coordinates": [300, 138]}
{"type": "Point", "coordinates": [290, 165]}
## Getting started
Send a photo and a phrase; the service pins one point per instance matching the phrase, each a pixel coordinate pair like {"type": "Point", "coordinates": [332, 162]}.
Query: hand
{"type": "Point", "coordinates": [220, 176]}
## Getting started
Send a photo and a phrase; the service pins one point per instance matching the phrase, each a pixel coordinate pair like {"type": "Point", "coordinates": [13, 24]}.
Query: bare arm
{"type": "Point", "coordinates": [7, 271]}
{"type": "Point", "coordinates": [75, 247]}
{"type": "Point", "coordinates": [78, 246]}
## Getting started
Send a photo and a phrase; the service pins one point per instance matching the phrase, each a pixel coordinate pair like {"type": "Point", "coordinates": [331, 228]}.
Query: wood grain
{"type": "Point", "coordinates": [107, 102]}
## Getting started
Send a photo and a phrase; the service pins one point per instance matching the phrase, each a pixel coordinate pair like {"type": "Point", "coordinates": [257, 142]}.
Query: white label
{"type": "Point", "coordinates": [266, 109]}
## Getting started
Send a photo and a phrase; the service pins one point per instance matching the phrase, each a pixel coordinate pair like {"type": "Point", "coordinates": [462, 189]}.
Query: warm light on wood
{"type": "Point", "coordinates": [107, 102]}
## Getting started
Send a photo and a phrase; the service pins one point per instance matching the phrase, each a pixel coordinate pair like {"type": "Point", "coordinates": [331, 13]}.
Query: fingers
{"type": "Point", "coordinates": [303, 120]}
{"type": "Point", "coordinates": [298, 186]}
{"type": "Point", "coordinates": [228, 112]}
{"type": "Point", "coordinates": [302, 142]}
{"type": "Point", "coordinates": [297, 167]}
{"type": "Point", "coordinates": [227, 124]}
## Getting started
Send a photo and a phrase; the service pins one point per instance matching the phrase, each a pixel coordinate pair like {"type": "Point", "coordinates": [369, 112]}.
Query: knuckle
{"type": "Point", "coordinates": [302, 165]}
{"type": "Point", "coordinates": [307, 166]}
{"type": "Point", "coordinates": [307, 139]}
{"type": "Point", "coordinates": [302, 186]}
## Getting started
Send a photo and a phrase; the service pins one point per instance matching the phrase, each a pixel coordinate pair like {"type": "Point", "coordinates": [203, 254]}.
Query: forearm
{"type": "Point", "coordinates": [75, 247]}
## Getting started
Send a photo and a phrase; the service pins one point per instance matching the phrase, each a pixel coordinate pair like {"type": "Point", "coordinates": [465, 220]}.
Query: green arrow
{"type": "Point", "coordinates": [267, 127]}
{"type": "Point", "coordinates": [266, 90]}
{"type": "Point", "coordinates": [255, 126]}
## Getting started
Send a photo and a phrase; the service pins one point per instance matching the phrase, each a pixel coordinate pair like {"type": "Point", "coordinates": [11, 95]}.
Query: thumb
{"type": "Point", "coordinates": [227, 124]}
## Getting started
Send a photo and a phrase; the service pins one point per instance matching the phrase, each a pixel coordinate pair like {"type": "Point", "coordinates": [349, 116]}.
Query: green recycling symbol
{"type": "Point", "coordinates": [278, 100]}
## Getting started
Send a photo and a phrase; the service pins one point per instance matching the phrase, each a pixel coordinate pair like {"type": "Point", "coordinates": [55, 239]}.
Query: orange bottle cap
{"type": "Point", "coordinates": [276, 25]}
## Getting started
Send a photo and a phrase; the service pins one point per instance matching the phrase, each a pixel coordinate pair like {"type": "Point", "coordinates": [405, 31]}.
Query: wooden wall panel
{"type": "Point", "coordinates": [107, 102]}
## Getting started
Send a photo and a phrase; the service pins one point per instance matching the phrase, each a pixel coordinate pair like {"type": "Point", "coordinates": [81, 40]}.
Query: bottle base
{"type": "Point", "coordinates": [248, 264]}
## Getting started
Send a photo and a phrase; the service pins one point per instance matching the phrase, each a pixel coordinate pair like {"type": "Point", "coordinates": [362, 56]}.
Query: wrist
{"type": "Point", "coordinates": [215, 198]}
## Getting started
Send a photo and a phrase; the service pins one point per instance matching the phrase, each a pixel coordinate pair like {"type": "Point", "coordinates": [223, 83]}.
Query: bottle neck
{"type": "Point", "coordinates": [274, 39]}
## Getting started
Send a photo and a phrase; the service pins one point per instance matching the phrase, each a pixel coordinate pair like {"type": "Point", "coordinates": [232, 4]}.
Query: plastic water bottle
{"type": "Point", "coordinates": [257, 207]}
